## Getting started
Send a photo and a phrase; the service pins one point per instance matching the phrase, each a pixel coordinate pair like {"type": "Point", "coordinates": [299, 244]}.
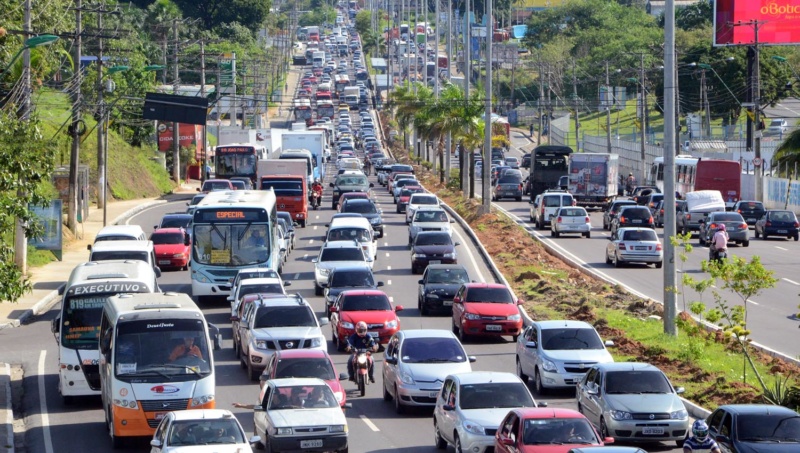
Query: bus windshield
{"type": "Point", "coordinates": [293, 188]}
{"type": "Point", "coordinates": [236, 164]}
{"type": "Point", "coordinates": [80, 322]}
{"type": "Point", "coordinates": [150, 350]}
{"type": "Point", "coordinates": [227, 244]}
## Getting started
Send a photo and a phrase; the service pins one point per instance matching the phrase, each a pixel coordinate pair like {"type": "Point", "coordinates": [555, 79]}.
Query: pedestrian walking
{"type": "Point", "coordinates": [531, 130]}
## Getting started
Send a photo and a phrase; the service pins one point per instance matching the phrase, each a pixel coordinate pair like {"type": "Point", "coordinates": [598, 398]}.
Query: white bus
{"type": "Point", "coordinates": [77, 326]}
{"type": "Point", "coordinates": [155, 357]}
{"type": "Point", "coordinates": [232, 230]}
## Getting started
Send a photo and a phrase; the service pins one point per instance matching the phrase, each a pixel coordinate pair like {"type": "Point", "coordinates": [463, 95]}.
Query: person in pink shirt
{"type": "Point", "coordinates": [719, 243]}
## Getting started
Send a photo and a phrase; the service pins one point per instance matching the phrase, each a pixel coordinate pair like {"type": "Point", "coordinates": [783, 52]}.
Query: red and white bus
{"type": "Point", "coordinates": [325, 109]}
{"type": "Point", "coordinates": [692, 173]}
{"type": "Point", "coordinates": [302, 109]}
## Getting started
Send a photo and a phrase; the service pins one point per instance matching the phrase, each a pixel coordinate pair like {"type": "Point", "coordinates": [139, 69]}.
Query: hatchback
{"type": "Point", "coordinates": [750, 210]}
{"type": "Point", "coordinates": [193, 430]}
{"type": "Point", "coordinates": [610, 212]}
{"type": "Point", "coordinates": [173, 248]}
{"type": "Point", "coordinates": [432, 247]}
{"type": "Point", "coordinates": [634, 245]}
{"type": "Point", "coordinates": [540, 430]}
{"type": "Point", "coordinates": [778, 223]}
{"type": "Point", "coordinates": [486, 309]}
{"type": "Point", "coordinates": [755, 428]}
{"type": "Point", "coordinates": [633, 216]}
{"type": "Point", "coordinates": [571, 220]}
{"type": "Point", "coordinates": [371, 306]}
{"type": "Point", "coordinates": [306, 363]}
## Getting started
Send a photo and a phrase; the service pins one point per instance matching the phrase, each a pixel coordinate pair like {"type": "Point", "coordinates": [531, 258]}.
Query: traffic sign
{"type": "Point", "coordinates": [757, 161]}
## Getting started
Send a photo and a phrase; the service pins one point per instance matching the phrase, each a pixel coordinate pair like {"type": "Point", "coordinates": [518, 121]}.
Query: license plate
{"type": "Point", "coordinates": [494, 328]}
{"type": "Point", "coordinates": [433, 394]}
{"type": "Point", "coordinates": [641, 247]}
{"type": "Point", "coordinates": [435, 262]}
{"type": "Point", "coordinates": [783, 231]}
{"type": "Point", "coordinates": [373, 334]}
{"type": "Point", "coordinates": [751, 220]}
{"type": "Point", "coordinates": [314, 443]}
{"type": "Point", "coordinates": [163, 261]}
{"type": "Point", "coordinates": [447, 303]}
{"type": "Point", "coordinates": [636, 221]}
{"type": "Point", "coordinates": [652, 431]}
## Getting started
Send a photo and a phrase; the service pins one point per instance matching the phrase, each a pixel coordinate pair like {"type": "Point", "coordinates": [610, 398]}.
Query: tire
{"type": "Point", "coordinates": [398, 209]}
{"type": "Point", "coordinates": [756, 233]}
{"type": "Point", "coordinates": [386, 395]}
{"type": "Point", "coordinates": [608, 260]}
{"type": "Point", "coordinates": [604, 429]}
{"type": "Point", "coordinates": [531, 219]}
{"type": "Point", "coordinates": [522, 376]}
{"type": "Point", "coordinates": [398, 406]}
{"type": "Point", "coordinates": [700, 239]}
{"type": "Point", "coordinates": [541, 224]}
{"type": "Point", "coordinates": [116, 441]}
{"type": "Point", "coordinates": [242, 356]}
{"type": "Point", "coordinates": [679, 443]}
{"type": "Point", "coordinates": [605, 226]}
{"type": "Point", "coordinates": [617, 262]}
{"type": "Point", "coordinates": [440, 443]}
{"type": "Point", "coordinates": [303, 223]}
{"type": "Point", "coordinates": [765, 236]}
{"type": "Point", "coordinates": [362, 384]}
{"type": "Point", "coordinates": [462, 337]}
{"type": "Point", "coordinates": [236, 352]}
{"type": "Point", "coordinates": [587, 235]}
{"type": "Point", "coordinates": [457, 444]}
{"type": "Point", "coordinates": [537, 384]}
{"type": "Point", "coordinates": [552, 234]}
{"type": "Point", "coordinates": [746, 243]}
{"type": "Point", "coordinates": [317, 290]}
{"type": "Point", "coordinates": [67, 400]}
{"type": "Point", "coordinates": [251, 372]}
{"type": "Point", "coordinates": [423, 309]}
{"type": "Point", "coordinates": [659, 264]}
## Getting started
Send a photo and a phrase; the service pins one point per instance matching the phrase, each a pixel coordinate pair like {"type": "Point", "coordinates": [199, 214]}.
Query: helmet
{"type": "Point", "coordinates": [361, 328]}
{"type": "Point", "coordinates": [630, 174]}
{"type": "Point", "coordinates": [721, 227]}
{"type": "Point", "coordinates": [700, 430]}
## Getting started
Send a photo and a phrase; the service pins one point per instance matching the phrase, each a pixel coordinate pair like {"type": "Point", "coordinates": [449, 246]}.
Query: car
{"type": "Point", "coordinates": [398, 185]}
{"type": "Point", "coordinates": [471, 406]}
{"type": "Point", "coordinates": [306, 363]}
{"type": "Point", "coordinates": [438, 286]}
{"type": "Point", "coordinates": [173, 248]}
{"type": "Point", "coordinates": [612, 209]}
{"type": "Point", "coordinates": [119, 233]}
{"type": "Point", "coordinates": [284, 323]}
{"type": "Point", "coordinates": [633, 216]}
{"type": "Point", "coordinates": [300, 414]}
{"type": "Point", "coordinates": [212, 185]}
{"type": "Point", "coordinates": [239, 318]}
{"type": "Point", "coordinates": [606, 449]}
{"type": "Point", "coordinates": [658, 216]}
{"type": "Point", "coordinates": [634, 245]}
{"type": "Point", "coordinates": [486, 309]}
{"type": "Point", "coordinates": [513, 162]}
{"type": "Point", "coordinates": [754, 428]}
{"type": "Point", "coordinates": [417, 200]}
{"type": "Point", "coordinates": [289, 224]}
{"type": "Point", "coordinates": [738, 231]}
{"type": "Point", "coordinates": [432, 247]}
{"type": "Point", "coordinates": [405, 196]}
{"type": "Point", "coordinates": [652, 201]}
{"type": "Point", "coordinates": [368, 210]}
{"type": "Point", "coordinates": [546, 430]}
{"type": "Point", "coordinates": [394, 178]}
{"type": "Point", "coordinates": [571, 220]}
{"type": "Point", "coordinates": [778, 223]}
{"type": "Point", "coordinates": [193, 203]}
{"type": "Point", "coordinates": [633, 403]}
{"type": "Point", "coordinates": [349, 183]}
{"type": "Point", "coordinates": [193, 430]}
{"type": "Point", "coordinates": [176, 220]}
{"type": "Point", "coordinates": [777, 126]}
{"type": "Point", "coordinates": [750, 210]}
{"type": "Point", "coordinates": [350, 226]}
{"type": "Point", "coordinates": [428, 218]}
{"type": "Point", "coordinates": [346, 278]}
{"type": "Point", "coordinates": [252, 272]}
{"type": "Point", "coordinates": [334, 254]}
{"type": "Point", "coordinates": [262, 285]}
{"type": "Point", "coordinates": [557, 353]}
{"type": "Point", "coordinates": [348, 195]}
{"type": "Point", "coordinates": [508, 185]}
{"type": "Point", "coordinates": [369, 305]}
{"type": "Point", "coordinates": [238, 184]}
{"type": "Point", "coordinates": [415, 364]}
{"type": "Point", "coordinates": [640, 194]}
{"type": "Point", "coordinates": [526, 161]}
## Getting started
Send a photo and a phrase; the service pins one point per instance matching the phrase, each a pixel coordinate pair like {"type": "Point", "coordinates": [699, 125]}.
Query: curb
{"type": "Point", "coordinates": [7, 435]}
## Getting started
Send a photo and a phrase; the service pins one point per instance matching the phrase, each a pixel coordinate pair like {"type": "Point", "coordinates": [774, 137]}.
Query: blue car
{"type": "Point", "coordinates": [756, 428]}
{"type": "Point", "coordinates": [778, 223]}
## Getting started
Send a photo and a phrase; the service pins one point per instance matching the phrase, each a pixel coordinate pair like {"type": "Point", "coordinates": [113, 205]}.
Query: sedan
{"type": "Point", "coordinates": [173, 247]}
{"type": "Point", "coordinates": [305, 363]}
{"type": "Point", "coordinates": [738, 230]}
{"type": "Point", "coordinates": [633, 402]}
{"type": "Point", "coordinates": [371, 306]}
{"type": "Point", "coordinates": [438, 286]}
{"type": "Point", "coordinates": [571, 220]}
{"type": "Point", "coordinates": [634, 245]}
{"type": "Point", "coordinates": [432, 247]}
{"type": "Point", "coordinates": [545, 430]}
{"type": "Point", "coordinates": [778, 223]}
{"type": "Point", "coordinates": [755, 428]}
{"type": "Point", "coordinates": [195, 430]}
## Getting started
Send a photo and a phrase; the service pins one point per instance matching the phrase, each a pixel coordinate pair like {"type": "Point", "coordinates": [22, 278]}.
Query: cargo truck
{"type": "Point", "coordinates": [313, 141]}
{"type": "Point", "coordinates": [287, 177]}
{"type": "Point", "coordinates": [593, 178]}
{"type": "Point", "coordinates": [351, 97]}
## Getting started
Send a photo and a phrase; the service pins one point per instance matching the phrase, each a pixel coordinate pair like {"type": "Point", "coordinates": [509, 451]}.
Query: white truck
{"type": "Point", "coordinates": [313, 141]}
{"type": "Point", "coordinates": [318, 58]}
{"type": "Point", "coordinates": [351, 95]}
{"type": "Point", "coordinates": [593, 178]}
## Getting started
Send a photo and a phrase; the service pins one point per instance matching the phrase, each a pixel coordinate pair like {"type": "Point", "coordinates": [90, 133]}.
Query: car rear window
{"type": "Point", "coordinates": [424, 200]}
{"type": "Point", "coordinates": [166, 238]}
{"type": "Point", "coordinates": [640, 235]}
{"type": "Point", "coordinates": [352, 278]}
{"type": "Point", "coordinates": [572, 212]}
{"type": "Point", "coordinates": [552, 202]}
{"type": "Point", "coordinates": [433, 239]}
{"type": "Point", "coordinates": [499, 295]}
{"type": "Point", "coordinates": [751, 205]}
{"type": "Point", "coordinates": [342, 254]}
{"type": "Point", "coordinates": [728, 217]}
{"type": "Point", "coordinates": [634, 213]}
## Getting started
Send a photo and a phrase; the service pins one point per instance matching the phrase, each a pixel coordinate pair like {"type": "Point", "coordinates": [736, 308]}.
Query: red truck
{"type": "Point", "coordinates": [288, 178]}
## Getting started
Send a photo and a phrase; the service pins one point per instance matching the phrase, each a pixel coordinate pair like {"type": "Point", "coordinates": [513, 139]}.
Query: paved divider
{"type": "Point", "coordinates": [6, 412]}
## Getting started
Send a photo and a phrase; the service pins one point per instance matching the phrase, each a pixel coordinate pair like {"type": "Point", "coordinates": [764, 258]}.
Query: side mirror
{"type": "Point", "coordinates": [331, 185]}
{"type": "Point", "coordinates": [608, 440]}
{"type": "Point", "coordinates": [333, 309]}
{"type": "Point", "coordinates": [452, 221]}
{"type": "Point", "coordinates": [155, 443]}
{"type": "Point", "coordinates": [421, 282]}
{"type": "Point", "coordinates": [198, 189]}
{"type": "Point", "coordinates": [680, 390]}
{"type": "Point", "coordinates": [371, 185]}
{"type": "Point", "coordinates": [259, 408]}
{"type": "Point", "coordinates": [155, 227]}
{"type": "Point", "coordinates": [722, 439]}
{"type": "Point", "coordinates": [507, 441]}
{"type": "Point", "coordinates": [55, 324]}
{"type": "Point", "coordinates": [287, 283]}
{"type": "Point", "coordinates": [379, 284]}
{"type": "Point", "coordinates": [530, 344]}
{"type": "Point", "coordinates": [229, 298]}
{"type": "Point", "coordinates": [398, 308]}
{"type": "Point", "coordinates": [472, 359]}
{"type": "Point", "coordinates": [541, 404]}
{"type": "Point", "coordinates": [520, 301]}
{"type": "Point", "coordinates": [255, 439]}
{"type": "Point", "coordinates": [313, 260]}
{"type": "Point", "coordinates": [456, 243]}
{"type": "Point", "coordinates": [348, 405]}
{"type": "Point", "coordinates": [608, 343]}
{"type": "Point", "coordinates": [448, 407]}
{"type": "Point", "coordinates": [391, 360]}
{"type": "Point", "coordinates": [158, 271]}
{"type": "Point", "coordinates": [342, 376]}
{"type": "Point", "coordinates": [324, 321]}
{"type": "Point", "coordinates": [456, 300]}
{"type": "Point", "coordinates": [89, 247]}
{"type": "Point", "coordinates": [187, 240]}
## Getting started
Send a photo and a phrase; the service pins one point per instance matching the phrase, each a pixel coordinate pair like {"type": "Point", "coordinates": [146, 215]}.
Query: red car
{"type": "Point", "coordinates": [173, 247]}
{"type": "Point", "coordinates": [371, 306]}
{"type": "Point", "coordinates": [306, 363]}
{"type": "Point", "coordinates": [405, 195]}
{"type": "Point", "coordinates": [546, 430]}
{"type": "Point", "coordinates": [486, 309]}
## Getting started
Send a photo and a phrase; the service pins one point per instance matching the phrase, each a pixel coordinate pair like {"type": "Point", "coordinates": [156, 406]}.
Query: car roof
{"type": "Point", "coordinates": [291, 382]}
{"type": "Point", "coordinates": [169, 230]}
{"type": "Point", "coordinates": [757, 409]}
{"type": "Point", "coordinates": [259, 281]}
{"type": "Point", "coordinates": [203, 414]}
{"type": "Point", "coordinates": [351, 267]}
{"type": "Point", "coordinates": [635, 229]}
{"type": "Point", "coordinates": [447, 266]}
{"type": "Point", "coordinates": [484, 377]}
{"type": "Point", "coordinates": [288, 300]}
{"type": "Point", "coordinates": [626, 366]}
{"type": "Point", "coordinates": [353, 244]}
{"type": "Point", "coordinates": [113, 230]}
{"type": "Point", "coordinates": [177, 214]}
{"type": "Point", "coordinates": [484, 285]}
{"type": "Point", "coordinates": [427, 333]}
{"type": "Point", "coordinates": [548, 412]}
{"type": "Point", "coordinates": [559, 323]}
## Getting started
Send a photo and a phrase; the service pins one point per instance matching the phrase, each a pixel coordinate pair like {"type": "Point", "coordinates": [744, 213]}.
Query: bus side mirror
{"type": "Point", "coordinates": [55, 324]}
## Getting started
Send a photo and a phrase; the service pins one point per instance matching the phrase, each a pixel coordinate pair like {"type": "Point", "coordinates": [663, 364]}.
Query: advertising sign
{"type": "Point", "coordinates": [735, 22]}
{"type": "Point", "coordinates": [190, 136]}
{"type": "Point", "coordinates": [49, 218]}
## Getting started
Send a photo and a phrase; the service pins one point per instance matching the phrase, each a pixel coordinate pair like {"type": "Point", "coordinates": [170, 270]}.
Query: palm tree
{"type": "Point", "coordinates": [788, 153]}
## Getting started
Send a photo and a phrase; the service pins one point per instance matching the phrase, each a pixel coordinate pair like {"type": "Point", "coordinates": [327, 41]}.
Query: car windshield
{"type": "Point", "coordinates": [197, 199]}
{"type": "Point", "coordinates": [727, 217]}
{"type": "Point", "coordinates": [499, 295]}
{"type": "Point", "coordinates": [360, 208]}
{"type": "Point", "coordinates": [433, 239]}
{"type": "Point", "coordinates": [768, 428]}
{"type": "Point", "coordinates": [366, 302]}
{"type": "Point", "coordinates": [451, 276]}
{"type": "Point", "coordinates": [352, 279]}
{"type": "Point", "coordinates": [166, 238]}
{"type": "Point", "coordinates": [311, 367]}
{"type": "Point", "coordinates": [640, 235]}
{"type": "Point", "coordinates": [430, 216]}
{"type": "Point", "coordinates": [305, 396]}
{"type": "Point", "coordinates": [341, 254]}
{"type": "Point", "coordinates": [432, 350]}
{"type": "Point", "coordinates": [636, 382]}
{"type": "Point", "coordinates": [561, 339]}
{"type": "Point", "coordinates": [572, 212]}
{"type": "Point", "coordinates": [176, 222]}
{"type": "Point", "coordinates": [184, 433]}
{"type": "Point", "coordinates": [558, 431]}
{"type": "Point", "coordinates": [494, 395]}
{"type": "Point", "coordinates": [284, 316]}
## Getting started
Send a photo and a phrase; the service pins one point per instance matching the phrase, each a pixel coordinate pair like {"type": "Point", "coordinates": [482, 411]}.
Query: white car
{"type": "Point", "coordinates": [300, 414]}
{"type": "Point", "coordinates": [571, 220]}
{"type": "Point", "coordinates": [265, 285]}
{"type": "Point", "coordinates": [634, 245]}
{"type": "Point", "coordinates": [417, 200]}
{"type": "Point", "coordinates": [203, 430]}
{"type": "Point", "coordinates": [335, 254]}
{"type": "Point", "coordinates": [429, 219]}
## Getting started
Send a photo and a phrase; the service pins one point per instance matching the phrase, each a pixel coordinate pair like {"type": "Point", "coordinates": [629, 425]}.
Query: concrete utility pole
{"type": "Point", "coordinates": [176, 135]}
{"type": "Point", "coordinates": [101, 156]}
{"type": "Point", "coordinates": [670, 287]}
{"type": "Point", "coordinates": [541, 98]}
{"type": "Point", "coordinates": [487, 152]}
{"type": "Point", "coordinates": [577, 107]}
{"type": "Point", "coordinates": [449, 139]}
{"type": "Point", "coordinates": [642, 79]}
{"type": "Point", "coordinates": [20, 240]}
{"type": "Point", "coordinates": [609, 98]}
{"type": "Point", "coordinates": [469, 183]}
{"type": "Point", "coordinates": [76, 125]}
{"type": "Point", "coordinates": [203, 95]}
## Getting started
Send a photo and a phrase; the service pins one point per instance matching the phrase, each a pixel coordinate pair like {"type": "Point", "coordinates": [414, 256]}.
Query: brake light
{"type": "Point", "coordinates": [558, 219]}
{"type": "Point", "coordinates": [622, 246]}
{"type": "Point", "coordinates": [797, 224]}
{"type": "Point", "coordinates": [651, 219]}
{"type": "Point", "coordinates": [739, 211]}
{"type": "Point", "coordinates": [768, 223]}
{"type": "Point", "coordinates": [713, 226]}
{"type": "Point", "coordinates": [622, 219]}
{"type": "Point", "coordinates": [743, 226]}
{"type": "Point", "coordinates": [588, 219]}
{"type": "Point", "coordinates": [658, 247]}
{"type": "Point", "coordinates": [688, 217]}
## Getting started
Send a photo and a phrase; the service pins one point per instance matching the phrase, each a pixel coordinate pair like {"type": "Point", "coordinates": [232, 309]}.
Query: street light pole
{"type": "Point", "coordinates": [670, 287]}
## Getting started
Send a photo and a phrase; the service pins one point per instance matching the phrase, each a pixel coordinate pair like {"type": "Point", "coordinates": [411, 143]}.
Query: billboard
{"type": "Point", "coordinates": [191, 136]}
{"type": "Point", "coordinates": [735, 22]}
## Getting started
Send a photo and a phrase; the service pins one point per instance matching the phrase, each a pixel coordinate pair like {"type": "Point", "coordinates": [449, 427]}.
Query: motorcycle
{"type": "Point", "coordinates": [363, 357]}
{"type": "Point", "coordinates": [315, 200]}
{"type": "Point", "coordinates": [718, 256]}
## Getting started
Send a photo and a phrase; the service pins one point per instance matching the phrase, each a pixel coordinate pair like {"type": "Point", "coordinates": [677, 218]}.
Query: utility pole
{"type": "Point", "coordinates": [448, 44]}
{"type": "Point", "coordinates": [609, 98]}
{"type": "Point", "coordinates": [76, 125]}
{"type": "Point", "coordinates": [176, 135]}
{"type": "Point", "coordinates": [642, 75]}
{"type": "Point", "coordinates": [101, 156]}
{"type": "Point", "coordinates": [487, 152]}
{"type": "Point", "coordinates": [541, 98]}
{"type": "Point", "coordinates": [203, 95]}
{"type": "Point", "coordinates": [20, 240]}
{"type": "Point", "coordinates": [469, 184]}
{"type": "Point", "coordinates": [706, 126]}
{"type": "Point", "coordinates": [670, 286]}
{"type": "Point", "coordinates": [577, 108]}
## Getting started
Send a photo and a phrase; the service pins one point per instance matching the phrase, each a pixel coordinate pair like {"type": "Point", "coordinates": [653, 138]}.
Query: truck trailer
{"type": "Point", "coordinates": [593, 178]}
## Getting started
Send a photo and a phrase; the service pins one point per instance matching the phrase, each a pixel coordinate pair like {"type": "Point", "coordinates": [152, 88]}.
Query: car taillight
{"type": "Point", "coordinates": [588, 219]}
{"type": "Point", "coordinates": [743, 226]}
{"type": "Point", "coordinates": [558, 219]}
{"type": "Point", "coordinates": [658, 247]}
{"type": "Point", "coordinates": [713, 226]}
{"type": "Point", "coordinates": [768, 223]}
{"type": "Point", "coordinates": [688, 217]}
{"type": "Point", "coordinates": [797, 224]}
{"type": "Point", "coordinates": [739, 211]}
{"type": "Point", "coordinates": [622, 219]}
{"type": "Point", "coordinates": [651, 219]}
{"type": "Point", "coordinates": [662, 212]}
{"type": "Point", "coordinates": [622, 246]}
{"type": "Point", "coordinates": [520, 186]}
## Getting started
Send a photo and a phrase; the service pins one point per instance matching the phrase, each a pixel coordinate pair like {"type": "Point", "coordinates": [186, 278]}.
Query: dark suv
{"type": "Point", "coordinates": [750, 210]}
{"type": "Point", "coordinates": [633, 216]}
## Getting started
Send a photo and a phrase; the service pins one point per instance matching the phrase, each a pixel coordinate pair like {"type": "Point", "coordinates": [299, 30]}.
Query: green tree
{"type": "Point", "coordinates": [364, 22]}
{"type": "Point", "coordinates": [788, 153]}
{"type": "Point", "coordinates": [213, 13]}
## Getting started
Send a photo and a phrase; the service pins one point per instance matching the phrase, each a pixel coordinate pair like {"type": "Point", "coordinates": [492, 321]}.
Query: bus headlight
{"type": "Point", "coordinates": [125, 403]}
{"type": "Point", "coordinates": [201, 278]}
{"type": "Point", "coordinates": [201, 400]}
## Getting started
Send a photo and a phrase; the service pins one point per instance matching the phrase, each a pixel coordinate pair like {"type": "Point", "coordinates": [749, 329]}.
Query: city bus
{"type": "Point", "coordinates": [548, 164]}
{"type": "Point", "coordinates": [325, 109]}
{"type": "Point", "coordinates": [302, 110]}
{"type": "Point", "coordinates": [693, 173]}
{"type": "Point", "coordinates": [340, 82]}
{"type": "Point", "coordinates": [231, 230]}
{"type": "Point", "coordinates": [77, 326]}
{"type": "Point", "coordinates": [239, 159]}
{"type": "Point", "coordinates": [155, 357]}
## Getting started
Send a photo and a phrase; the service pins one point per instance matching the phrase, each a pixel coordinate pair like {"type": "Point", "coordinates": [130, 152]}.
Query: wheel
{"type": "Point", "coordinates": [518, 198]}
{"type": "Point", "coordinates": [398, 209]}
{"type": "Point", "coordinates": [67, 400]}
{"type": "Point", "coordinates": [532, 221]}
{"type": "Point", "coordinates": [236, 350]}
{"type": "Point", "coordinates": [604, 429]}
{"type": "Point", "coordinates": [679, 443]}
{"type": "Point", "coordinates": [252, 372]}
{"type": "Point", "coordinates": [457, 445]}
{"type": "Point", "coordinates": [362, 384]}
{"type": "Point", "coordinates": [440, 443]}
{"type": "Point", "coordinates": [541, 224]}
{"type": "Point", "coordinates": [605, 226]}
{"type": "Point", "coordinates": [746, 243]}
{"type": "Point", "coordinates": [455, 329]}
{"type": "Point", "coordinates": [684, 230]}
{"type": "Point", "coordinates": [765, 235]}
{"type": "Point", "coordinates": [756, 232]}
{"type": "Point", "coordinates": [462, 336]}
{"type": "Point", "coordinates": [700, 239]}
{"type": "Point", "coordinates": [556, 233]}
{"type": "Point", "coordinates": [423, 309]}
{"type": "Point", "coordinates": [796, 237]}
{"type": "Point", "coordinates": [617, 262]}
{"type": "Point", "coordinates": [587, 235]}
{"type": "Point", "coordinates": [317, 290]}
{"type": "Point", "coordinates": [659, 264]}
{"type": "Point", "coordinates": [537, 383]}
{"type": "Point", "coordinates": [514, 338]}
{"type": "Point", "coordinates": [398, 406]}
{"type": "Point", "coordinates": [608, 260]}
{"type": "Point", "coordinates": [340, 345]}
{"type": "Point", "coordinates": [303, 223]}
{"type": "Point", "coordinates": [386, 395]}
{"type": "Point", "coordinates": [552, 234]}
{"type": "Point", "coordinates": [522, 376]}
{"type": "Point", "coordinates": [242, 356]}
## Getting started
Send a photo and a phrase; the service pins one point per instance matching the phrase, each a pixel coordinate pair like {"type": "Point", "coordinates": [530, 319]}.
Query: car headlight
{"type": "Point", "coordinates": [339, 396]}
{"type": "Point", "coordinates": [621, 415]}
{"type": "Point", "coordinates": [472, 316]}
{"type": "Point", "coordinates": [474, 428]}
{"type": "Point", "coordinates": [283, 431]}
{"type": "Point", "coordinates": [548, 365]}
{"type": "Point", "coordinates": [406, 378]}
{"type": "Point", "coordinates": [418, 255]}
{"type": "Point", "coordinates": [682, 414]}
{"type": "Point", "coordinates": [200, 400]}
{"type": "Point", "coordinates": [323, 272]}
{"type": "Point", "coordinates": [180, 256]}
{"type": "Point", "coordinates": [317, 342]}
{"type": "Point", "coordinates": [514, 317]}
{"type": "Point", "coordinates": [374, 220]}
{"type": "Point", "coordinates": [261, 344]}
{"type": "Point", "coordinates": [391, 324]}
{"type": "Point", "coordinates": [345, 325]}
{"type": "Point", "coordinates": [450, 255]}
{"type": "Point", "coordinates": [338, 428]}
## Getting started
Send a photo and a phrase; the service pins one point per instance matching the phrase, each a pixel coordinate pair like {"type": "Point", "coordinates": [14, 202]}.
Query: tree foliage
{"type": "Point", "coordinates": [213, 13]}
{"type": "Point", "coordinates": [363, 23]}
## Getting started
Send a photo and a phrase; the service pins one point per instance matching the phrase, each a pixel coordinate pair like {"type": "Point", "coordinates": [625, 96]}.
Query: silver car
{"type": "Point", "coordinates": [416, 363]}
{"type": "Point", "coordinates": [738, 230]}
{"type": "Point", "coordinates": [571, 220]}
{"type": "Point", "coordinates": [634, 245]}
{"type": "Point", "coordinates": [633, 402]}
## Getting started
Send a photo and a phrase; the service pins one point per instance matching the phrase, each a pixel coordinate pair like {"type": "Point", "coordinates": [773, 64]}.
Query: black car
{"type": "Point", "coordinates": [763, 428]}
{"type": "Point", "coordinates": [750, 210]}
{"type": "Point", "coordinates": [526, 161]}
{"type": "Point", "coordinates": [641, 193]}
{"type": "Point", "coordinates": [344, 278]}
{"type": "Point", "coordinates": [432, 247]}
{"type": "Point", "coordinates": [658, 216]}
{"type": "Point", "coordinates": [611, 211]}
{"type": "Point", "coordinates": [175, 220]}
{"type": "Point", "coordinates": [633, 216]}
{"type": "Point", "coordinates": [778, 223]}
{"type": "Point", "coordinates": [367, 209]}
{"type": "Point", "coordinates": [438, 286]}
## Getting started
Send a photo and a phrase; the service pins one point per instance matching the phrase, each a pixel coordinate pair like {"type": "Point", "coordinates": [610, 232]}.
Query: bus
{"type": "Point", "coordinates": [155, 357]}
{"type": "Point", "coordinates": [302, 110]}
{"type": "Point", "coordinates": [693, 173]}
{"type": "Point", "coordinates": [231, 230]}
{"type": "Point", "coordinates": [548, 164]}
{"type": "Point", "coordinates": [77, 326]}
{"type": "Point", "coordinates": [239, 159]}
{"type": "Point", "coordinates": [341, 81]}
{"type": "Point", "coordinates": [325, 109]}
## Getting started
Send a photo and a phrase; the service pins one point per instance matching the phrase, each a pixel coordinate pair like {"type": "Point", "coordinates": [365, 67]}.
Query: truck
{"type": "Point", "coordinates": [593, 178]}
{"type": "Point", "coordinates": [312, 140]}
{"type": "Point", "coordinates": [318, 58]}
{"type": "Point", "coordinates": [287, 177]}
{"type": "Point", "coordinates": [351, 97]}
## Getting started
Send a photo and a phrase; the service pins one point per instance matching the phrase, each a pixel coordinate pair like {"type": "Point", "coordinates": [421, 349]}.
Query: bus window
{"type": "Point", "coordinates": [236, 244]}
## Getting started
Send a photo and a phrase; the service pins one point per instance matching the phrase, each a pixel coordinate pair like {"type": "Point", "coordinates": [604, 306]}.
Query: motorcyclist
{"type": "Point", "coordinates": [719, 243]}
{"type": "Point", "coordinates": [700, 440]}
{"type": "Point", "coordinates": [356, 341]}
{"type": "Point", "coordinates": [316, 188]}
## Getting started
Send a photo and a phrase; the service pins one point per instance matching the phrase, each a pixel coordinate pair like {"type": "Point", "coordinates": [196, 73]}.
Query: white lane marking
{"type": "Point", "coordinates": [471, 257]}
{"type": "Point", "coordinates": [781, 248]}
{"type": "Point", "coordinates": [386, 244]}
{"type": "Point", "coordinates": [9, 418]}
{"type": "Point", "coordinates": [369, 423]}
{"type": "Point", "coordinates": [388, 282]}
{"type": "Point", "coordinates": [296, 276]}
{"type": "Point", "coordinates": [310, 241]}
{"type": "Point", "coordinates": [388, 268]}
{"type": "Point", "coordinates": [305, 256]}
{"type": "Point", "coordinates": [314, 228]}
{"type": "Point", "coordinates": [48, 441]}
{"type": "Point", "coordinates": [791, 281]}
{"type": "Point", "coordinates": [753, 302]}
{"type": "Point", "coordinates": [387, 254]}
